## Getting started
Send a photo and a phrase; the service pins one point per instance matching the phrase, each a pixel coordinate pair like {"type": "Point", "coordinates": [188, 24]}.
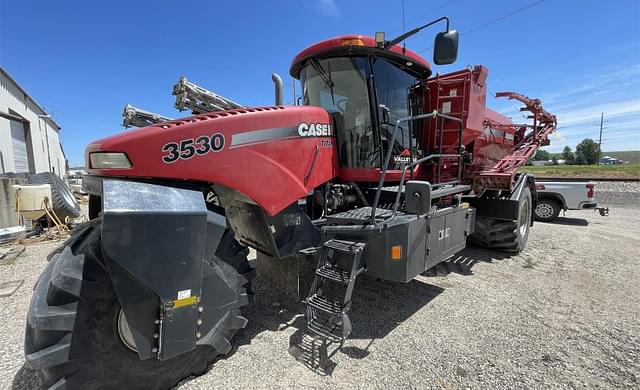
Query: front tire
{"type": "Point", "coordinates": [72, 335]}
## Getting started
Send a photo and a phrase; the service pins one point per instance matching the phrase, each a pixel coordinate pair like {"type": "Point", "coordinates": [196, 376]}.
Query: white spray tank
{"type": "Point", "coordinates": [30, 200]}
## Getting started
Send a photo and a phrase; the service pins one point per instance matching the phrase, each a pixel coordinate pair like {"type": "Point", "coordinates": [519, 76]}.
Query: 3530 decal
{"type": "Point", "coordinates": [191, 147]}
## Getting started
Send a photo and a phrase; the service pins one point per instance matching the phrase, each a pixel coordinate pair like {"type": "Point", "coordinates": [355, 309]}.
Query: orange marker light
{"type": "Point", "coordinates": [396, 252]}
{"type": "Point", "coordinates": [352, 42]}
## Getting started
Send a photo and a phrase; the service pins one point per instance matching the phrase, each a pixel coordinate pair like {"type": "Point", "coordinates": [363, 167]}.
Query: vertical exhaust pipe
{"type": "Point", "coordinates": [277, 81]}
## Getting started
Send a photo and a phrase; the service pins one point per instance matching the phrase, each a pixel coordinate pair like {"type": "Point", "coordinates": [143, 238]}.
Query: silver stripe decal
{"type": "Point", "coordinates": [258, 136]}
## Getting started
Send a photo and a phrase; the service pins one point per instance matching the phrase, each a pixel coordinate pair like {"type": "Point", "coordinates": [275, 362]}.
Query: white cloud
{"type": "Point", "coordinates": [578, 100]}
{"type": "Point", "coordinates": [558, 135]}
{"type": "Point", "coordinates": [591, 113]}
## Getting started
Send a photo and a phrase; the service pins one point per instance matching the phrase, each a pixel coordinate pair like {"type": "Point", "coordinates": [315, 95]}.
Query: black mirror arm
{"type": "Point", "coordinates": [416, 30]}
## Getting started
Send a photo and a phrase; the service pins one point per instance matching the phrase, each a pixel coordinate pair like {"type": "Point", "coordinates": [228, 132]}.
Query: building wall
{"type": "Point", "coordinates": [43, 138]}
{"type": "Point", "coordinates": [8, 214]}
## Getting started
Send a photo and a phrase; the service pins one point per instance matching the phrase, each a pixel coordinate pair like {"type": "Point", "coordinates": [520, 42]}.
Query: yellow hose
{"type": "Point", "coordinates": [17, 207]}
{"type": "Point", "coordinates": [53, 217]}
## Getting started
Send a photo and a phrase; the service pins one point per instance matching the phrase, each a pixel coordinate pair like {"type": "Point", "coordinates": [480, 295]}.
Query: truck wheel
{"type": "Point", "coordinates": [504, 235]}
{"type": "Point", "coordinates": [547, 210]}
{"type": "Point", "coordinates": [76, 336]}
{"type": "Point", "coordinates": [63, 202]}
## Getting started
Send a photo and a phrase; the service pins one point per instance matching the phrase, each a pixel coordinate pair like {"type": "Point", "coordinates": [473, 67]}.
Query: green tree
{"type": "Point", "coordinates": [568, 155]}
{"type": "Point", "coordinates": [580, 159]}
{"type": "Point", "coordinates": [554, 160]}
{"type": "Point", "coordinates": [589, 150]}
{"type": "Point", "coordinates": [541, 155]}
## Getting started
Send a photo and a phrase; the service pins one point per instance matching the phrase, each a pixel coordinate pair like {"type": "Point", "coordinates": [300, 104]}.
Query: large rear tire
{"type": "Point", "coordinates": [74, 339]}
{"type": "Point", "coordinates": [506, 235]}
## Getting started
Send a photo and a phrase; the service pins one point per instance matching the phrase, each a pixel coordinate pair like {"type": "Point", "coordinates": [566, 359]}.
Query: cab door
{"type": "Point", "coordinates": [394, 86]}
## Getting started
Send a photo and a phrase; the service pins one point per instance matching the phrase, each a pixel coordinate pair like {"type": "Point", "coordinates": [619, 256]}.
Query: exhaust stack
{"type": "Point", "coordinates": [277, 81]}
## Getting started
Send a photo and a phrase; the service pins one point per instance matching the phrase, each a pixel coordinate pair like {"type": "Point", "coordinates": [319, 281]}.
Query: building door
{"type": "Point", "coordinates": [19, 144]}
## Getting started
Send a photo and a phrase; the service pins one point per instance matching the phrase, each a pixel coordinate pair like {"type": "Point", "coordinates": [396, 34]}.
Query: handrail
{"type": "Point", "coordinates": [385, 168]}
{"type": "Point", "coordinates": [396, 203]}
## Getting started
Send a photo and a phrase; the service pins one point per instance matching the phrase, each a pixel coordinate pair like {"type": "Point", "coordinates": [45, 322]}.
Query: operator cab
{"type": "Point", "coordinates": [367, 86]}
{"type": "Point", "coordinates": [345, 92]}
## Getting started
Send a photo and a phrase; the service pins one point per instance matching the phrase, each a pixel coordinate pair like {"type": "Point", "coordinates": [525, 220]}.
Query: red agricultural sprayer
{"type": "Point", "coordinates": [384, 170]}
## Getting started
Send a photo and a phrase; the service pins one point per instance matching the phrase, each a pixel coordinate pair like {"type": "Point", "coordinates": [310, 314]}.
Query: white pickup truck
{"type": "Point", "coordinates": [556, 196]}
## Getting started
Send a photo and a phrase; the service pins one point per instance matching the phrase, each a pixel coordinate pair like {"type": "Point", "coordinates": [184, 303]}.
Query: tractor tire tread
{"type": "Point", "coordinates": [70, 341]}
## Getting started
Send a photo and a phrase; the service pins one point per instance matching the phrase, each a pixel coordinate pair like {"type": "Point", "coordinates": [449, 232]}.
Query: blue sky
{"type": "Point", "coordinates": [83, 60]}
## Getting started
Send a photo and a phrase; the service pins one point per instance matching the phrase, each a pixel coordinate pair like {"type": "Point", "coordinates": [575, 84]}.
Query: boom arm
{"type": "Point", "coordinates": [502, 175]}
{"type": "Point", "coordinates": [136, 117]}
{"type": "Point", "coordinates": [190, 96]}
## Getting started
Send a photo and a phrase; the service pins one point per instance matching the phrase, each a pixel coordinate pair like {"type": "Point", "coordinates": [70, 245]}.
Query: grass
{"type": "Point", "coordinates": [622, 171]}
{"type": "Point", "coordinates": [633, 156]}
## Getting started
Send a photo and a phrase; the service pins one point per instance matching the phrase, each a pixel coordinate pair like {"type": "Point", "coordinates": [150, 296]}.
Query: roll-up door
{"type": "Point", "coordinates": [18, 141]}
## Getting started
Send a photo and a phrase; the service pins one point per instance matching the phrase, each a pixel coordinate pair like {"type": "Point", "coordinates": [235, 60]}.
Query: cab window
{"type": "Point", "coordinates": [339, 85]}
{"type": "Point", "coordinates": [393, 88]}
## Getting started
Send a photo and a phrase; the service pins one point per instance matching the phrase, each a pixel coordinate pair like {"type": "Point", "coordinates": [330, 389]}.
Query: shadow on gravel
{"type": "Point", "coordinates": [463, 262]}
{"type": "Point", "coordinates": [569, 221]}
{"type": "Point", "coordinates": [275, 311]}
{"type": "Point", "coordinates": [371, 297]}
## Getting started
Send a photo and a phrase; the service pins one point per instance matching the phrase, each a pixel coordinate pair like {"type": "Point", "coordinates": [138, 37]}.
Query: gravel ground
{"type": "Point", "coordinates": [564, 313]}
{"type": "Point", "coordinates": [626, 194]}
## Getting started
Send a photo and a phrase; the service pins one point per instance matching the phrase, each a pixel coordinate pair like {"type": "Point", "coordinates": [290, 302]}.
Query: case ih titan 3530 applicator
{"type": "Point", "coordinates": [384, 170]}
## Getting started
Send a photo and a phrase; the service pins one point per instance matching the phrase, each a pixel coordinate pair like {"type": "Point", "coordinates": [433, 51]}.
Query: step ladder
{"type": "Point", "coordinates": [329, 300]}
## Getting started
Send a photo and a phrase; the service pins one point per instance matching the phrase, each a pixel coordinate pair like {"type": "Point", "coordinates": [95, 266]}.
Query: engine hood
{"type": "Point", "coordinates": [272, 155]}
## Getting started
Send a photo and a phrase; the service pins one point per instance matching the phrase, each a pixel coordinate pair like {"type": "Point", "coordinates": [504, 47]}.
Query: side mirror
{"type": "Point", "coordinates": [445, 48]}
{"type": "Point", "coordinates": [384, 113]}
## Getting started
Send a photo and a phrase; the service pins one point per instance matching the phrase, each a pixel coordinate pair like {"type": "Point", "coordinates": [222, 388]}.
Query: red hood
{"type": "Point", "coordinates": [272, 155]}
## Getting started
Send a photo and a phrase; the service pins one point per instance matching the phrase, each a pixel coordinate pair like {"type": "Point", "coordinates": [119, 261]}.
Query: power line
{"type": "Point", "coordinates": [600, 140]}
{"type": "Point", "coordinates": [503, 17]}
{"type": "Point", "coordinates": [421, 17]}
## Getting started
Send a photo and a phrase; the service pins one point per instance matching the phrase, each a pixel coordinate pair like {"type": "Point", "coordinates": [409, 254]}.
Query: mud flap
{"type": "Point", "coordinates": [505, 205]}
{"type": "Point", "coordinates": [525, 180]}
{"type": "Point", "coordinates": [154, 240]}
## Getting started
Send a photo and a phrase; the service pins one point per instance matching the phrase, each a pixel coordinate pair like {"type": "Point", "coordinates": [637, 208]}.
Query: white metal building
{"type": "Point", "coordinates": [29, 138]}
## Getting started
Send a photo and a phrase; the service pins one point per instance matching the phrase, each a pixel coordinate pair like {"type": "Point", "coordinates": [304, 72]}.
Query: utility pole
{"type": "Point", "coordinates": [600, 139]}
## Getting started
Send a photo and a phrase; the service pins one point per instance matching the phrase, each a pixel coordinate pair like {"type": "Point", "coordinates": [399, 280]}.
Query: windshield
{"type": "Point", "coordinates": [339, 85]}
{"type": "Point", "coordinates": [393, 91]}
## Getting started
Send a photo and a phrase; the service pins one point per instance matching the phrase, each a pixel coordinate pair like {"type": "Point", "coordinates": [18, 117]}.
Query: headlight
{"type": "Point", "coordinates": [108, 160]}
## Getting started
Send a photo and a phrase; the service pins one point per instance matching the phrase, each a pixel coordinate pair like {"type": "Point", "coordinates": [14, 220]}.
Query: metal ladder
{"type": "Point", "coordinates": [327, 313]}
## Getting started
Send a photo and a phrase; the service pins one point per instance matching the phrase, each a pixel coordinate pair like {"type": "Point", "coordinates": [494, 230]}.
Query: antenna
{"type": "Point", "coordinates": [404, 44]}
{"type": "Point", "coordinates": [403, 30]}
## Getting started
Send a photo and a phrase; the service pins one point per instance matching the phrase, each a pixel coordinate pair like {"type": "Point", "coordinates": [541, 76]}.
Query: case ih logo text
{"type": "Point", "coordinates": [314, 130]}
{"type": "Point", "coordinates": [191, 147]}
